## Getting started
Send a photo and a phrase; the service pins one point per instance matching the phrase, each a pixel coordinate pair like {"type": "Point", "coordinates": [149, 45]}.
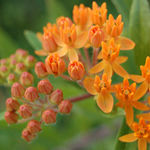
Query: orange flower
{"type": "Point", "coordinates": [82, 17]}
{"type": "Point", "coordinates": [144, 78]}
{"type": "Point", "coordinates": [101, 88]}
{"type": "Point", "coordinates": [110, 60]}
{"type": "Point", "coordinates": [141, 132]}
{"type": "Point", "coordinates": [48, 40]}
{"type": "Point", "coordinates": [125, 93]}
{"type": "Point", "coordinates": [99, 14]}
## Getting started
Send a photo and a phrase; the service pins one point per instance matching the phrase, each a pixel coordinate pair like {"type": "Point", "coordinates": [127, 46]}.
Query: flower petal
{"type": "Point", "coordinates": [142, 144]}
{"type": "Point", "coordinates": [41, 53]}
{"type": "Point", "coordinates": [39, 36]}
{"type": "Point", "coordinates": [125, 43]}
{"type": "Point", "coordinates": [105, 102]}
{"type": "Point", "coordinates": [120, 70]}
{"type": "Point", "coordinates": [128, 138]}
{"type": "Point", "coordinates": [140, 106]}
{"type": "Point", "coordinates": [72, 54]}
{"type": "Point", "coordinates": [145, 116]}
{"type": "Point", "coordinates": [97, 68]}
{"type": "Point", "coordinates": [108, 69]}
{"type": "Point", "coordinates": [129, 114]}
{"type": "Point", "coordinates": [142, 89]}
{"type": "Point", "coordinates": [137, 78]}
{"type": "Point", "coordinates": [81, 40]}
{"type": "Point", "coordinates": [89, 85]}
{"type": "Point", "coordinates": [61, 52]}
{"type": "Point", "coordinates": [121, 59]}
{"type": "Point", "coordinates": [100, 55]}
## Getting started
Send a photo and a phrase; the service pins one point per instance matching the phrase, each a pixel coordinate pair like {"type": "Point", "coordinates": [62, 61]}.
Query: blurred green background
{"type": "Point", "coordinates": [85, 128]}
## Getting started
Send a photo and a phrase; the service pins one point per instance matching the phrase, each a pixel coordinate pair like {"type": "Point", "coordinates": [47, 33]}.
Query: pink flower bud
{"type": "Point", "coordinates": [11, 78]}
{"type": "Point", "coordinates": [56, 97]}
{"type": "Point", "coordinates": [28, 135]}
{"type": "Point", "coordinates": [40, 70]}
{"type": "Point", "coordinates": [31, 94]}
{"type": "Point", "coordinates": [12, 105]}
{"type": "Point", "coordinates": [76, 70]}
{"type": "Point", "coordinates": [4, 70]}
{"type": "Point", "coordinates": [20, 67]}
{"type": "Point", "coordinates": [26, 79]}
{"type": "Point", "coordinates": [25, 111]}
{"type": "Point", "coordinates": [11, 117]}
{"type": "Point", "coordinates": [49, 116]}
{"type": "Point", "coordinates": [20, 53]}
{"type": "Point", "coordinates": [34, 126]}
{"type": "Point", "coordinates": [45, 87]}
{"type": "Point", "coordinates": [17, 90]}
{"type": "Point", "coordinates": [3, 62]}
{"type": "Point", "coordinates": [65, 107]}
{"type": "Point", "coordinates": [30, 61]}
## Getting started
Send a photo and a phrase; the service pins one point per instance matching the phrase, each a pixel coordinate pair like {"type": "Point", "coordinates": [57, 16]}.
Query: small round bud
{"type": "Point", "coordinates": [11, 117]}
{"type": "Point", "coordinates": [45, 87]}
{"type": "Point", "coordinates": [31, 94]}
{"type": "Point", "coordinates": [30, 61]}
{"type": "Point", "coordinates": [76, 70]}
{"type": "Point", "coordinates": [65, 107]}
{"type": "Point", "coordinates": [4, 70]}
{"type": "Point", "coordinates": [25, 111]}
{"type": "Point", "coordinates": [17, 90]}
{"type": "Point", "coordinates": [12, 105]}
{"type": "Point", "coordinates": [28, 135]}
{"type": "Point", "coordinates": [11, 78]}
{"type": "Point", "coordinates": [21, 54]}
{"type": "Point", "coordinates": [96, 36]}
{"type": "Point", "coordinates": [56, 97]}
{"type": "Point", "coordinates": [49, 116]}
{"type": "Point", "coordinates": [40, 70]}
{"type": "Point", "coordinates": [55, 65]}
{"type": "Point", "coordinates": [3, 62]}
{"type": "Point", "coordinates": [34, 126]}
{"type": "Point", "coordinates": [26, 79]}
{"type": "Point", "coordinates": [20, 67]}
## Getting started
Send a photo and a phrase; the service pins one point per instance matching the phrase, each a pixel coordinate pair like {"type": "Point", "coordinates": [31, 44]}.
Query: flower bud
{"type": "Point", "coordinates": [11, 78]}
{"type": "Point", "coordinates": [30, 61]}
{"type": "Point", "coordinates": [17, 90]}
{"type": "Point", "coordinates": [26, 79]}
{"type": "Point", "coordinates": [28, 135]}
{"type": "Point", "coordinates": [3, 62]}
{"type": "Point", "coordinates": [76, 70]}
{"type": "Point", "coordinates": [21, 54]}
{"type": "Point", "coordinates": [20, 67]}
{"type": "Point", "coordinates": [11, 117]}
{"type": "Point", "coordinates": [65, 107]}
{"type": "Point", "coordinates": [96, 36]}
{"type": "Point", "coordinates": [45, 87]}
{"type": "Point", "coordinates": [12, 105]}
{"type": "Point", "coordinates": [40, 70]}
{"type": "Point", "coordinates": [4, 71]}
{"type": "Point", "coordinates": [31, 94]}
{"type": "Point", "coordinates": [34, 126]}
{"type": "Point", "coordinates": [56, 97]}
{"type": "Point", "coordinates": [49, 116]}
{"type": "Point", "coordinates": [55, 65]}
{"type": "Point", "coordinates": [25, 111]}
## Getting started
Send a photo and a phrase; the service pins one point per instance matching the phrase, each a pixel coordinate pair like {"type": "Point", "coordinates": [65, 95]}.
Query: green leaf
{"type": "Point", "coordinates": [2, 116]}
{"type": "Point", "coordinates": [33, 40]}
{"type": "Point", "coordinates": [139, 26]}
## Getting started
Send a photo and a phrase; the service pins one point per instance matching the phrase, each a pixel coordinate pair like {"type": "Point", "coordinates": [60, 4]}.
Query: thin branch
{"type": "Point", "coordinates": [95, 54]}
{"type": "Point", "coordinates": [87, 57]}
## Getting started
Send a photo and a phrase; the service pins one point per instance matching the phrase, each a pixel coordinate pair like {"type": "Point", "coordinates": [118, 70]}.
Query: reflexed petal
{"type": "Point", "coordinates": [61, 52]}
{"type": "Point", "coordinates": [100, 55]}
{"type": "Point", "coordinates": [125, 43]}
{"type": "Point", "coordinates": [128, 138]}
{"type": "Point", "coordinates": [72, 54]}
{"type": "Point", "coordinates": [121, 59]}
{"type": "Point", "coordinates": [142, 144]}
{"type": "Point", "coordinates": [120, 70]}
{"type": "Point", "coordinates": [97, 68]}
{"type": "Point", "coordinates": [105, 102]}
{"type": "Point", "coordinates": [81, 40]}
{"type": "Point", "coordinates": [145, 116]}
{"type": "Point", "coordinates": [141, 91]}
{"type": "Point", "coordinates": [108, 69]}
{"type": "Point", "coordinates": [129, 114]}
{"type": "Point", "coordinates": [89, 85]}
{"type": "Point", "coordinates": [137, 78]}
{"type": "Point", "coordinates": [140, 106]}
{"type": "Point", "coordinates": [41, 53]}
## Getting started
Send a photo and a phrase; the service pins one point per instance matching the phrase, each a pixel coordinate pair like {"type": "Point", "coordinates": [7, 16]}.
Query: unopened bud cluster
{"type": "Point", "coordinates": [12, 67]}
{"type": "Point", "coordinates": [31, 103]}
